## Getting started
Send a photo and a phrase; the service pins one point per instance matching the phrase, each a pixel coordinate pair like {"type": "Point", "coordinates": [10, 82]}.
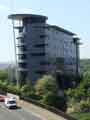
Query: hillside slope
{"type": "Point", "coordinates": [3, 66]}
{"type": "Point", "coordinates": [85, 65]}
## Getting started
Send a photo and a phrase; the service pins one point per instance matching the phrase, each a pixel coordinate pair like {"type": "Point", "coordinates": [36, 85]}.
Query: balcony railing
{"type": "Point", "coordinates": [21, 52]}
{"type": "Point", "coordinates": [22, 61]}
{"type": "Point", "coordinates": [21, 35]}
{"type": "Point", "coordinates": [22, 69]}
{"type": "Point", "coordinates": [20, 44]}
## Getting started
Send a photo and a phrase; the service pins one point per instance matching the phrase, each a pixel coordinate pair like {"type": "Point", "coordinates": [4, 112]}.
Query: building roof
{"type": "Point", "coordinates": [22, 16]}
{"type": "Point", "coordinates": [62, 29]}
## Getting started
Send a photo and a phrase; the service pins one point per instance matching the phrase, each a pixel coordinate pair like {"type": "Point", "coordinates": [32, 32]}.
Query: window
{"type": "Point", "coordinates": [44, 63]}
{"type": "Point", "coordinates": [38, 54]}
{"type": "Point", "coordinates": [22, 65]}
{"type": "Point", "coordinates": [22, 48]}
{"type": "Point", "coordinates": [41, 45]}
{"type": "Point", "coordinates": [21, 40]}
{"type": "Point", "coordinates": [20, 30]}
{"type": "Point", "coordinates": [41, 72]}
{"type": "Point", "coordinates": [43, 36]}
{"type": "Point", "coordinates": [22, 56]}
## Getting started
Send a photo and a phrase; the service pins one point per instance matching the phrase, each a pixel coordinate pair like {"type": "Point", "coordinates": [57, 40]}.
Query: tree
{"type": "Point", "coordinates": [27, 89]}
{"type": "Point", "coordinates": [47, 89]}
{"type": "Point", "coordinates": [54, 100]}
{"type": "Point", "coordinates": [45, 85]}
{"type": "Point", "coordinates": [3, 75]}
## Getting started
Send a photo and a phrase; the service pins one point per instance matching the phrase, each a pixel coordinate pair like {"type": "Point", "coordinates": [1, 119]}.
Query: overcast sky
{"type": "Point", "coordinates": [73, 15]}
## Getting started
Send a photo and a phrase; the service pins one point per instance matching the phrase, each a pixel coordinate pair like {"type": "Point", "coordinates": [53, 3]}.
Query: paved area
{"type": "Point", "coordinates": [47, 115]}
{"type": "Point", "coordinates": [16, 114]}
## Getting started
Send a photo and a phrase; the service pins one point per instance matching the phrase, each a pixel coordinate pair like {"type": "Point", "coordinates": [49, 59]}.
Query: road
{"type": "Point", "coordinates": [16, 114]}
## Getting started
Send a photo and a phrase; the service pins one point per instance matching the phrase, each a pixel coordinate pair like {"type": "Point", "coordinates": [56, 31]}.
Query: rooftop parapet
{"type": "Point", "coordinates": [23, 16]}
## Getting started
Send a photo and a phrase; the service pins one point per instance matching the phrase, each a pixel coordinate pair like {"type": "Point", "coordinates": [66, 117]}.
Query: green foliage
{"type": "Point", "coordinates": [45, 85]}
{"type": "Point", "coordinates": [27, 90]}
{"type": "Point", "coordinates": [81, 115]}
{"type": "Point", "coordinates": [49, 98]}
{"type": "Point", "coordinates": [83, 90]}
{"type": "Point", "coordinates": [14, 89]}
{"type": "Point", "coordinates": [3, 85]}
{"type": "Point", "coordinates": [54, 100]}
{"type": "Point", "coordinates": [3, 75]}
{"type": "Point", "coordinates": [85, 105]}
{"type": "Point", "coordinates": [81, 94]}
{"type": "Point", "coordinates": [85, 65]}
{"type": "Point", "coordinates": [47, 89]}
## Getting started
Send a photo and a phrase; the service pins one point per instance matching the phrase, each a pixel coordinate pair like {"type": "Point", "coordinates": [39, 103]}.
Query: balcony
{"type": "Point", "coordinates": [22, 61]}
{"type": "Point", "coordinates": [21, 35]}
{"type": "Point", "coordinates": [22, 56]}
{"type": "Point", "coordinates": [22, 66]}
{"type": "Point", "coordinates": [20, 44]}
{"type": "Point", "coordinates": [22, 69]}
{"type": "Point", "coordinates": [21, 52]}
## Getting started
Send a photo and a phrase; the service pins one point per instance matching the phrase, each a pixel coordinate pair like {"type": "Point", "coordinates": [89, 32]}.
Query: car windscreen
{"type": "Point", "coordinates": [11, 102]}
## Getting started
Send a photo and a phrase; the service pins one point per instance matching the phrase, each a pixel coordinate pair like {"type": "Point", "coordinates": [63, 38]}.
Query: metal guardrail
{"type": "Point", "coordinates": [52, 109]}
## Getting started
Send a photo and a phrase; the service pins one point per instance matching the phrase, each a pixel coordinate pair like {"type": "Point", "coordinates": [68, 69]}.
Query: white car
{"type": "Point", "coordinates": [10, 103]}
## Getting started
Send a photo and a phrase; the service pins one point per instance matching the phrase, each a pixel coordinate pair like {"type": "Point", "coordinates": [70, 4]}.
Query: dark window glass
{"type": "Point", "coordinates": [41, 45]}
{"type": "Point", "coordinates": [38, 54]}
{"type": "Point", "coordinates": [43, 36]}
{"type": "Point", "coordinates": [22, 48]}
{"type": "Point", "coordinates": [22, 56]}
{"type": "Point", "coordinates": [20, 30]}
{"type": "Point", "coordinates": [21, 40]}
{"type": "Point", "coordinates": [22, 65]}
{"type": "Point", "coordinates": [41, 72]}
{"type": "Point", "coordinates": [44, 63]}
{"type": "Point", "coordinates": [12, 102]}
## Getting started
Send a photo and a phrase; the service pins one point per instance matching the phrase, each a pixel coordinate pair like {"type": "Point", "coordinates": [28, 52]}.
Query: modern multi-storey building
{"type": "Point", "coordinates": [43, 49]}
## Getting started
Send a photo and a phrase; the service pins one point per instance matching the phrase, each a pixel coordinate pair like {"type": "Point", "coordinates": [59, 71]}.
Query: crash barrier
{"type": "Point", "coordinates": [52, 109]}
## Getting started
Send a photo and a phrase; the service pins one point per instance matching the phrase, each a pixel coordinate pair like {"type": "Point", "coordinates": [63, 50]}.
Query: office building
{"type": "Point", "coordinates": [43, 49]}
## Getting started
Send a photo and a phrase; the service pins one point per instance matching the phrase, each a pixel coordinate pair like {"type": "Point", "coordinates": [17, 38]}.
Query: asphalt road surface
{"type": "Point", "coordinates": [16, 114]}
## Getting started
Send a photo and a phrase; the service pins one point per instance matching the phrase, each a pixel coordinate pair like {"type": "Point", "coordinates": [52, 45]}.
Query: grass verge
{"type": "Point", "coordinates": [81, 116]}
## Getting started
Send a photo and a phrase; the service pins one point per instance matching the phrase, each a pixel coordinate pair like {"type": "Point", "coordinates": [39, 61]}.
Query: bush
{"type": "Point", "coordinates": [3, 86]}
{"type": "Point", "coordinates": [54, 100]}
{"type": "Point", "coordinates": [85, 106]}
{"type": "Point", "coordinates": [3, 75]}
{"type": "Point", "coordinates": [14, 89]}
{"type": "Point", "coordinates": [27, 89]}
{"type": "Point", "coordinates": [47, 89]}
{"type": "Point", "coordinates": [45, 85]}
